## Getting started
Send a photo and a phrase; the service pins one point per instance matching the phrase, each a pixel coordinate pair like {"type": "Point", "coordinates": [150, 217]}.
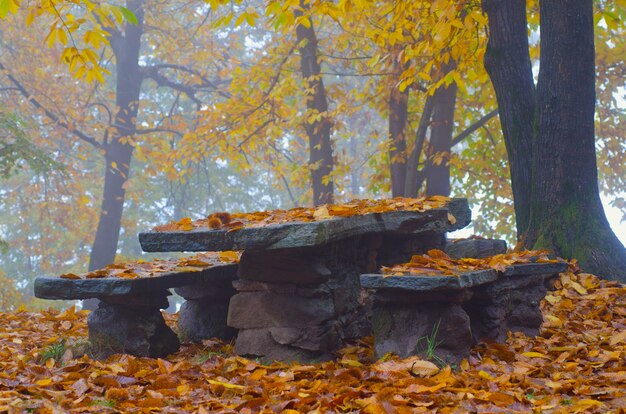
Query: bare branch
{"type": "Point", "coordinates": [472, 128]}
{"type": "Point", "coordinates": [52, 116]}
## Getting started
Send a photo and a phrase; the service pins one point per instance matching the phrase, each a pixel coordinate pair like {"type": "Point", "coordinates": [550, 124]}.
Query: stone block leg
{"type": "Point", "coordinates": [436, 331]}
{"type": "Point", "coordinates": [130, 329]}
{"type": "Point", "coordinates": [508, 304]}
{"type": "Point", "coordinates": [203, 314]}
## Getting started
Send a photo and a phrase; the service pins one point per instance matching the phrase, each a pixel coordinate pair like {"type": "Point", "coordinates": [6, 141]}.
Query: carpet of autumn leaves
{"type": "Point", "coordinates": [576, 365]}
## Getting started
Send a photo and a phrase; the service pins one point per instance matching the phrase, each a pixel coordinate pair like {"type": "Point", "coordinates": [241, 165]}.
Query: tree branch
{"type": "Point", "coordinates": [154, 72]}
{"type": "Point", "coordinates": [55, 118]}
{"type": "Point", "coordinates": [472, 128]}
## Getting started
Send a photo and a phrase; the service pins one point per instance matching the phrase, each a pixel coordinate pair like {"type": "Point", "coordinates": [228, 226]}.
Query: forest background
{"type": "Point", "coordinates": [153, 111]}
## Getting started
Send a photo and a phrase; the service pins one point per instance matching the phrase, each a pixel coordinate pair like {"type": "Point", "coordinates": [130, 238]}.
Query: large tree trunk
{"type": "Point", "coordinates": [119, 149]}
{"type": "Point", "coordinates": [318, 131]}
{"type": "Point", "coordinates": [566, 213]}
{"type": "Point", "coordinates": [549, 132]}
{"type": "Point", "coordinates": [442, 124]}
{"type": "Point", "coordinates": [507, 60]}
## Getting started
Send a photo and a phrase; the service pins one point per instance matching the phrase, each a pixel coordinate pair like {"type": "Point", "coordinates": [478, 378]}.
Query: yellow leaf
{"type": "Point", "coordinates": [226, 384]}
{"type": "Point", "coordinates": [579, 288]}
{"type": "Point", "coordinates": [322, 213]}
{"type": "Point", "coordinates": [485, 375]}
{"type": "Point", "coordinates": [44, 382]}
{"type": "Point", "coordinates": [228, 256]}
{"type": "Point", "coordinates": [534, 355]}
{"type": "Point", "coordinates": [350, 362]}
{"type": "Point", "coordinates": [618, 338]}
{"type": "Point", "coordinates": [451, 218]}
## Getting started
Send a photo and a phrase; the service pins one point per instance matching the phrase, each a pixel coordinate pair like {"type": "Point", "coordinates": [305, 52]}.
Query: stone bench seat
{"type": "Point", "coordinates": [444, 316]}
{"type": "Point", "coordinates": [128, 318]}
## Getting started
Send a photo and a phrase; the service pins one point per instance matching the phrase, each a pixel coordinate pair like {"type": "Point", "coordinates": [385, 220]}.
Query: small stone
{"type": "Point", "coordinates": [474, 248]}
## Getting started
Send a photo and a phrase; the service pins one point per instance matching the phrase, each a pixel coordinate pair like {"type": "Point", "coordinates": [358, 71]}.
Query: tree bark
{"type": "Point", "coordinates": [507, 61]}
{"type": "Point", "coordinates": [442, 124]}
{"type": "Point", "coordinates": [414, 178]}
{"type": "Point", "coordinates": [320, 147]}
{"type": "Point", "coordinates": [398, 115]}
{"type": "Point", "coordinates": [549, 132]}
{"type": "Point", "coordinates": [119, 149]}
{"type": "Point", "coordinates": [566, 212]}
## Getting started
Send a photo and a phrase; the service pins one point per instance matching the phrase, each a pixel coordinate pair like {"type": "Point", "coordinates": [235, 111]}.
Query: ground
{"type": "Point", "coordinates": [577, 364]}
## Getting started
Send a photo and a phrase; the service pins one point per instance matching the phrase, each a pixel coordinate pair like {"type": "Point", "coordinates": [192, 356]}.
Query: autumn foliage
{"type": "Point", "coordinates": [438, 263]}
{"type": "Point", "coordinates": [307, 214]}
{"type": "Point", "coordinates": [575, 365]}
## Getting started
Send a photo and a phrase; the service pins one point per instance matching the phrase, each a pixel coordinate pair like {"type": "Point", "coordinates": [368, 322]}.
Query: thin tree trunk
{"type": "Point", "coordinates": [442, 124]}
{"type": "Point", "coordinates": [566, 211]}
{"type": "Point", "coordinates": [320, 146]}
{"type": "Point", "coordinates": [118, 151]}
{"type": "Point", "coordinates": [414, 176]}
{"type": "Point", "coordinates": [398, 115]}
{"type": "Point", "coordinates": [507, 61]}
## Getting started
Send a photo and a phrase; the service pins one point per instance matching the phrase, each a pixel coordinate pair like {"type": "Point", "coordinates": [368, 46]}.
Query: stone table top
{"type": "Point", "coordinates": [69, 289]}
{"type": "Point", "coordinates": [428, 283]}
{"type": "Point", "coordinates": [309, 234]}
{"type": "Point", "coordinates": [464, 280]}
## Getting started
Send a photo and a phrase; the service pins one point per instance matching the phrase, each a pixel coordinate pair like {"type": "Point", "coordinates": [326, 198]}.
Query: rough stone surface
{"type": "Point", "coordinates": [297, 266]}
{"type": "Point", "coordinates": [396, 249]}
{"type": "Point", "coordinates": [428, 283]}
{"type": "Point", "coordinates": [242, 285]}
{"type": "Point", "coordinates": [58, 288]}
{"type": "Point", "coordinates": [135, 330]}
{"type": "Point", "coordinates": [265, 309]}
{"type": "Point", "coordinates": [153, 298]}
{"type": "Point", "coordinates": [474, 248]}
{"type": "Point", "coordinates": [509, 304]}
{"type": "Point", "coordinates": [258, 343]}
{"type": "Point", "coordinates": [204, 319]}
{"type": "Point", "coordinates": [405, 330]}
{"type": "Point", "coordinates": [535, 269]}
{"type": "Point", "coordinates": [217, 289]}
{"type": "Point", "coordinates": [309, 234]}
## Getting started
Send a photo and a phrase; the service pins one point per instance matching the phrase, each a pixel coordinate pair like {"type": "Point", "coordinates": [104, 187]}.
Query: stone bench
{"type": "Point", "coordinates": [128, 318]}
{"type": "Point", "coordinates": [442, 317]}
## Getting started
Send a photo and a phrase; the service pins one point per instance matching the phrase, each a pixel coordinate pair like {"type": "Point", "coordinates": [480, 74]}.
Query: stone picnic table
{"type": "Point", "coordinates": [298, 293]}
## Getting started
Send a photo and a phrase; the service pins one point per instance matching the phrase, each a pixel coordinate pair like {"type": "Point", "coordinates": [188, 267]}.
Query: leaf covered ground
{"type": "Point", "coordinates": [577, 364]}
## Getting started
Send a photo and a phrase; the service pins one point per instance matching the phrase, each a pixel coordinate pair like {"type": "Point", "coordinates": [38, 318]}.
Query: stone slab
{"type": "Point", "coordinates": [58, 288]}
{"type": "Point", "coordinates": [309, 234]}
{"type": "Point", "coordinates": [428, 283]}
{"type": "Point", "coordinates": [525, 269]}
